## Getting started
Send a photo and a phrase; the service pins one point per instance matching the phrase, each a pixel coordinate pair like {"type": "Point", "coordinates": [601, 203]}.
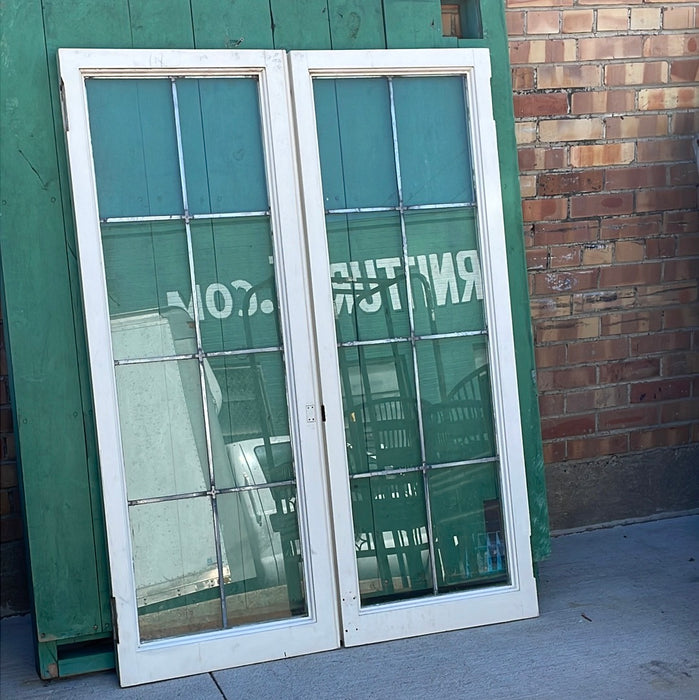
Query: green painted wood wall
{"type": "Point", "coordinates": [41, 285]}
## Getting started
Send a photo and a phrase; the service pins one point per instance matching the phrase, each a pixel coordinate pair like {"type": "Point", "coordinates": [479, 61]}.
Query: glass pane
{"type": "Point", "coordinates": [147, 273]}
{"type": "Point", "coordinates": [457, 403]}
{"type": "Point", "coordinates": [162, 428]}
{"type": "Point", "coordinates": [260, 536]}
{"type": "Point", "coordinates": [222, 145]}
{"type": "Point", "coordinates": [433, 142]}
{"type": "Point", "coordinates": [391, 543]}
{"type": "Point", "coordinates": [367, 276]}
{"type": "Point", "coordinates": [381, 424]}
{"type": "Point", "coordinates": [446, 278]}
{"type": "Point", "coordinates": [134, 145]}
{"type": "Point", "coordinates": [468, 526]}
{"type": "Point", "coordinates": [234, 268]}
{"type": "Point", "coordinates": [175, 568]}
{"type": "Point", "coordinates": [355, 143]}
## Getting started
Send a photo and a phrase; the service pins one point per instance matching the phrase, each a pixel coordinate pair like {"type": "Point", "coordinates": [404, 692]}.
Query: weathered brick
{"type": "Point", "coordinates": [668, 98]}
{"type": "Point", "coordinates": [591, 399]}
{"type": "Point", "coordinates": [626, 323]}
{"type": "Point", "coordinates": [684, 410]}
{"type": "Point", "coordinates": [541, 158]}
{"type": "Point", "coordinates": [680, 364]}
{"type": "Point", "coordinates": [670, 45]}
{"type": "Point", "coordinates": [542, 51]}
{"type": "Point", "coordinates": [542, 104]}
{"type": "Point", "coordinates": [550, 307]}
{"type": "Point", "coordinates": [515, 23]}
{"type": "Point", "coordinates": [667, 294]}
{"type": "Point", "coordinates": [559, 282]}
{"type": "Point", "coordinates": [597, 254]}
{"type": "Point", "coordinates": [678, 17]}
{"type": "Point", "coordinates": [683, 174]}
{"type": "Point", "coordinates": [681, 317]}
{"type": "Point", "coordinates": [633, 370]}
{"type": "Point", "coordinates": [544, 209]}
{"type": "Point", "coordinates": [605, 300]}
{"type": "Point", "coordinates": [660, 248]}
{"type": "Point", "coordinates": [565, 183]}
{"type": "Point", "coordinates": [635, 73]}
{"type": "Point", "coordinates": [598, 349]}
{"type": "Point", "coordinates": [552, 428]}
{"type": "Point", "coordinates": [603, 102]}
{"type": "Point", "coordinates": [552, 130]}
{"type": "Point", "coordinates": [633, 416]}
{"type": "Point", "coordinates": [569, 378]}
{"type": "Point", "coordinates": [629, 251]}
{"type": "Point", "coordinates": [641, 273]}
{"type": "Point", "coordinates": [613, 19]}
{"type": "Point", "coordinates": [551, 404]}
{"type": "Point", "coordinates": [659, 150]}
{"type": "Point", "coordinates": [554, 452]}
{"type": "Point", "coordinates": [664, 199]}
{"type": "Point", "coordinates": [608, 47]}
{"type": "Point", "coordinates": [523, 78]}
{"type": "Point", "coordinates": [684, 71]}
{"type": "Point", "coordinates": [566, 329]}
{"type": "Point", "coordinates": [661, 437]}
{"type": "Point", "coordinates": [577, 21]}
{"type": "Point", "coordinates": [601, 205]}
{"type": "Point", "coordinates": [550, 355]}
{"type": "Point", "coordinates": [536, 3]}
{"type": "Point", "coordinates": [631, 226]}
{"type": "Point", "coordinates": [546, 233]}
{"type": "Point", "coordinates": [595, 447]}
{"type": "Point", "coordinates": [602, 154]}
{"type": "Point", "coordinates": [635, 177]}
{"type": "Point", "coordinates": [662, 390]}
{"type": "Point", "coordinates": [680, 222]}
{"type": "Point", "coordinates": [684, 122]}
{"type": "Point", "coordinates": [659, 343]}
{"type": "Point", "coordinates": [688, 244]}
{"type": "Point", "coordinates": [645, 18]}
{"type": "Point", "coordinates": [566, 76]}
{"type": "Point", "coordinates": [564, 256]}
{"type": "Point", "coordinates": [679, 270]}
{"type": "Point", "coordinates": [527, 185]}
{"type": "Point", "coordinates": [640, 126]}
{"type": "Point", "coordinates": [543, 22]}
{"type": "Point", "coordinates": [525, 132]}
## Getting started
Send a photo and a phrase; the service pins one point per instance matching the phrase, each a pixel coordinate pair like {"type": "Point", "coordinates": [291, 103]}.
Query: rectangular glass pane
{"type": "Point", "coordinates": [134, 146]}
{"type": "Point", "coordinates": [236, 291]}
{"type": "Point", "coordinates": [222, 145]}
{"type": "Point", "coordinates": [146, 266]}
{"type": "Point", "coordinates": [174, 558]}
{"type": "Point", "coordinates": [260, 535]}
{"type": "Point", "coordinates": [456, 397]}
{"type": "Point", "coordinates": [446, 278]}
{"type": "Point", "coordinates": [468, 526]}
{"type": "Point", "coordinates": [367, 276]}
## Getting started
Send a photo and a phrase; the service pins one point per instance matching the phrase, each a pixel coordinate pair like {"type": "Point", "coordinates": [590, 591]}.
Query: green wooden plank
{"type": "Point", "coordinates": [40, 325]}
{"type": "Point", "coordinates": [413, 24]}
{"type": "Point", "coordinates": [160, 25]}
{"type": "Point", "coordinates": [222, 24]}
{"type": "Point", "coordinates": [495, 35]}
{"type": "Point", "coordinates": [300, 25]}
{"type": "Point", "coordinates": [356, 24]}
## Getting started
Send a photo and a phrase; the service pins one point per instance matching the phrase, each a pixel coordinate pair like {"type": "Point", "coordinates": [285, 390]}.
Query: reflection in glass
{"type": "Point", "coordinates": [391, 542]}
{"type": "Point", "coordinates": [468, 526]}
{"type": "Point", "coordinates": [174, 558]}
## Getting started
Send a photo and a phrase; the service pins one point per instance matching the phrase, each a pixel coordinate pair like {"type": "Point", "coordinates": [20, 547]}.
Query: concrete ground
{"type": "Point", "coordinates": [619, 620]}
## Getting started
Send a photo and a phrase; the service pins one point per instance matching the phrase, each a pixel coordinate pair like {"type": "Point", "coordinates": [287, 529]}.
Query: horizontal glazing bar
{"type": "Point", "coordinates": [193, 356]}
{"type": "Point", "coordinates": [403, 339]}
{"type": "Point", "coordinates": [409, 207]}
{"type": "Point", "coordinates": [424, 468]}
{"type": "Point", "coordinates": [165, 499]}
{"type": "Point", "coordinates": [183, 217]}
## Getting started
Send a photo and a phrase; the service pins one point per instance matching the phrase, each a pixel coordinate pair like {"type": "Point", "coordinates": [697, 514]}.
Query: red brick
{"type": "Point", "coordinates": [612, 20]}
{"type": "Point", "coordinates": [681, 317]}
{"type": "Point", "coordinates": [632, 370]}
{"type": "Point", "coordinates": [601, 154]}
{"type": "Point", "coordinates": [685, 122]}
{"type": "Point", "coordinates": [542, 51]}
{"type": "Point", "coordinates": [602, 102]}
{"type": "Point", "coordinates": [515, 23]}
{"type": "Point", "coordinates": [8, 475]}
{"type": "Point", "coordinates": [12, 529]}
{"type": "Point", "coordinates": [577, 21]}
{"type": "Point", "coordinates": [594, 447]}
{"type": "Point", "coordinates": [570, 378]}
{"type": "Point", "coordinates": [564, 256]}
{"type": "Point", "coordinates": [678, 17]}
{"type": "Point", "coordinates": [544, 209]}
{"type": "Point", "coordinates": [594, 399]}
{"type": "Point", "coordinates": [550, 355]}
{"type": "Point", "coordinates": [683, 174]}
{"type": "Point", "coordinates": [643, 273]}
{"type": "Point", "coordinates": [537, 258]}
{"type": "Point", "coordinates": [661, 45]}
{"type": "Point", "coordinates": [634, 416]}
{"type": "Point", "coordinates": [684, 71]}
{"type": "Point", "coordinates": [560, 282]}
{"type": "Point", "coordinates": [629, 251]}
{"type": "Point", "coordinates": [660, 248]}
{"type": "Point", "coordinates": [541, 158]}
{"type": "Point", "coordinates": [542, 104]}
{"type": "Point", "coordinates": [566, 329]}
{"type": "Point", "coordinates": [551, 404]}
{"type": "Point", "coordinates": [634, 127]}
{"type": "Point", "coordinates": [662, 437]}
{"type": "Point", "coordinates": [679, 364]}
{"type": "Point", "coordinates": [599, 48]}
{"type": "Point", "coordinates": [668, 98]}
{"type": "Point", "coordinates": [597, 254]}
{"type": "Point", "coordinates": [601, 205]}
{"type": "Point", "coordinates": [523, 78]}
{"type": "Point", "coordinates": [564, 183]}
{"type": "Point", "coordinates": [664, 199]}
{"type": "Point", "coordinates": [600, 349]}
{"type": "Point", "coordinates": [688, 244]}
{"type": "Point", "coordinates": [636, 73]}
{"type": "Point", "coordinates": [554, 452]}
{"type": "Point", "coordinates": [676, 411]}
{"type": "Point", "coordinates": [635, 177]}
{"type": "Point", "coordinates": [546, 233]}
{"type": "Point", "coordinates": [552, 428]}
{"type": "Point", "coordinates": [607, 300]}
{"type": "Point", "coordinates": [658, 150]}
{"type": "Point", "coordinates": [681, 270]}
{"type": "Point", "coordinates": [667, 294]}
{"type": "Point", "coordinates": [682, 222]}
{"type": "Point", "coordinates": [542, 22]}
{"type": "Point", "coordinates": [569, 75]}
{"type": "Point", "coordinates": [625, 323]}
{"type": "Point", "coordinates": [631, 227]}
{"type": "Point", "coordinates": [659, 342]}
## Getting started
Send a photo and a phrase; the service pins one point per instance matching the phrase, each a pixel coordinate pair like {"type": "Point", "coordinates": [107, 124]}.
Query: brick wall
{"type": "Point", "coordinates": [607, 106]}
{"type": "Point", "coordinates": [13, 586]}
